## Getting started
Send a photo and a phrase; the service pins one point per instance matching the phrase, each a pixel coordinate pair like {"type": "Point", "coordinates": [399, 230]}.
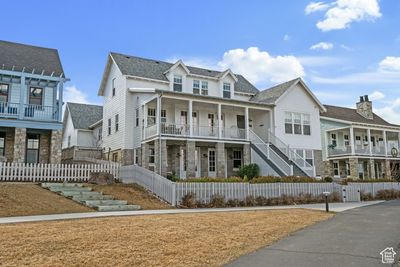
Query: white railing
{"type": "Point", "coordinates": [364, 150]}
{"type": "Point", "coordinates": [339, 151]}
{"type": "Point", "coordinates": [378, 150]}
{"type": "Point", "coordinates": [150, 131]}
{"type": "Point", "coordinates": [9, 110]}
{"type": "Point", "coordinates": [174, 129]}
{"type": "Point", "coordinates": [207, 131]}
{"type": "Point", "coordinates": [271, 154]}
{"type": "Point", "coordinates": [159, 185]}
{"type": "Point", "coordinates": [234, 133]}
{"type": "Point", "coordinates": [28, 172]}
{"type": "Point", "coordinates": [292, 155]}
{"type": "Point", "coordinates": [41, 113]}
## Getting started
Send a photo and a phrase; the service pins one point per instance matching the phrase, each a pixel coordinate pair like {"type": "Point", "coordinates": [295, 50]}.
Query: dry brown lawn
{"type": "Point", "coordinates": [206, 239]}
{"type": "Point", "coordinates": [134, 194]}
{"type": "Point", "coordinates": [19, 199]}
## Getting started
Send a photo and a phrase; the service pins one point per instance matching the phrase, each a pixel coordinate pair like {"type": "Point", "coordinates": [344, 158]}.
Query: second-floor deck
{"type": "Point", "coordinates": [28, 112]}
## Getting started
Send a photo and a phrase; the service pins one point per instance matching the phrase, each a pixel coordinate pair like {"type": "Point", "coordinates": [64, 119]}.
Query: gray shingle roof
{"type": "Point", "coordinates": [270, 95]}
{"type": "Point", "coordinates": [154, 69]}
{"type": "Point", "coordinates": [84, 115]}
{"type": "Point", "coordinates": [351, 115]}
{"type": "Point", "coordinates": [30, 57]}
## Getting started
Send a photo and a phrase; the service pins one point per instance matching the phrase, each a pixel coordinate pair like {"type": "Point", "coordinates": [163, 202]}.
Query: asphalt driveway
{"type": "Point", "coordinates": [352, 238]}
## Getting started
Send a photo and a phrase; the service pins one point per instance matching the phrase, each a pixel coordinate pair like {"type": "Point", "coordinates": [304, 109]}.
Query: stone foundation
{"type": "Point", "coordinates": [246, 154]}
{"type": "Point", "coordinates": [388, 170]}
{"type": "Point", "coordinates": [190, 158]}
{"type": "Point", "coordinates": [145, 155]}
{"type": "Point", "coordinates": [20, 145]}
{"type": "Point", "coordinates": [9, 146]}
{"type": "Point", "coordinates": [353, 168]}
{"type": "Point", "coordinates": [44, 148]}
{"type": "Point", "coordinates": [328, 169]}
{"type": "Point", "coordinates": [127, 157]}
{"type": "Point", "coordinates": [55, 146]}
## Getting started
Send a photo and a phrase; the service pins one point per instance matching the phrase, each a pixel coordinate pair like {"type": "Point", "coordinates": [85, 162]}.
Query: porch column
{"type": "Point", "coordinates": [22, 100]}
{"type": "Point", "coordinates": [55, 146]}
{"type": "Point", "coordinates": [372, 169]}
{"type": "Point", "coordinates": [19, 145]}
{"type": "Point", "coordinates": [160, 157]}
{"type": "Point", "coordinates": [327, 143]}
{"type": "Point", "coordinates": [221, 160]}
{"type": "Point", "coordinates": [144, 120]}
{"type": "Point", "coordinates": [388, 170]}
{"type": "Point", "coordinates": [246, 154]}
{"type": "Point", "coordinates": [369, 141]}
{"type": "Point", "coordinates": [219, 122]}
{"type": "Point", "coordinates": [353, 162]}
{"type": "Point", "coordinates": [352, 141]}
{"type": "Point", "coordinates": [145, 155]}
{"type": "Point", "coordinates": [158, 115]}
{"type": "Point", "coordinates": [385, 142]}
{"type": "Point", "coordinates": [60, 100]}
{"type": "Point", "coordinates": [246, 122]}
{"type": "Point", "coordinates": [190, 157]}
{"type": "Point", "coordinates": [190, 118]}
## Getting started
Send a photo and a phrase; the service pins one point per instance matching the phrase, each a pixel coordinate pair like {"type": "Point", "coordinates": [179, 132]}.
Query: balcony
{"type": "Point", "coordinates": [198, 131]}
{"type": "Point", "coordinates": [28, 112]}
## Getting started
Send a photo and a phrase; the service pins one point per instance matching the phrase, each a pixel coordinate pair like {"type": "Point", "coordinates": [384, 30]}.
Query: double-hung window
{"type": "Point", "coordinates": [237, 159]}
{"type": "Point", "coordinates": [306, 124]}
{"type": "Point", "coordinates": [204, 87]}
{"type": "Point", "coordinates": [288, 123]}
{"type": "Point", "coordinates": [333, 140]}
{"type": "Point", "coordinates": [178, 83]}
{"type": "Point", "coordinates": [109, 126]}
{"type": "Point", "coordinates": [151, 155]}
{"type": "Point", "coordinates": [226, 90]}
{"type": "Point", "coordinates": [151, 116]}
{"type": "Point", "coordinates": [196, 87]}
{"type": "Point", "coordinates": [36, 96]}
{"type": "Point", "coordinates": [3, 92]}
{"type": "Point", "coordinates": [346, 140]}
{"type": "Point", "coordinates": [163, 116]}
{"type": "Point", "coordinates": [297, 123]}
{"type": "Point", "coordinates": [116, 123]}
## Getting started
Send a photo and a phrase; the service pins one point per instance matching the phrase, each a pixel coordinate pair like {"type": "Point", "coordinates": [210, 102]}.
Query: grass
{"type": "Point", "coordinates": [20, 199]}
{"type": "Point", "coordinates": [134, 194]}
{"type": "Point", "coordinates": [206, 239]}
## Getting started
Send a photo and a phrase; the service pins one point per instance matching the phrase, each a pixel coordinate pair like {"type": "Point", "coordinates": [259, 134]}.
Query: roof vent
{"type": "Point", "coordinates": [157, 62]}
{"type": "Point", "coordinates": [128, 57]}
{"type": "Point", "coordinates": [209, 71]}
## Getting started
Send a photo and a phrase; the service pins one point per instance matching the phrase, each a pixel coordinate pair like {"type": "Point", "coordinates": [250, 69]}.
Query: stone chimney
{"type": "Point", "coordinates": [364, 107]}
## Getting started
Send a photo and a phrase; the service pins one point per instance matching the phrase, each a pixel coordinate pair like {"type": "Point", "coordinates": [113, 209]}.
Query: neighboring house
{"type": "Point", "coordinates": [357, 143]}
{"type": "Point", "coordinates": [192, 122]}
{"type": "Point", "coordinates": [82, 131]}
{"type": "Point", "coordinates": [31, 98]}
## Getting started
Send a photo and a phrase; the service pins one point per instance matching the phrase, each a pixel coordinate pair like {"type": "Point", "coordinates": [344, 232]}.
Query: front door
{"type": "Point", "coordinates": [32, 148]}
{"type": "Point", "coordinates": [212, 163]}
{"type": "Point", "coordinates": [182, 164]}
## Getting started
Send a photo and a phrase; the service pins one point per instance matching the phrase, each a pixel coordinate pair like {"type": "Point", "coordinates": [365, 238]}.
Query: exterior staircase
{"type": "Point", "coordinates": [84, 195]}
{"type": "Point", "coordinates": [280, 157]}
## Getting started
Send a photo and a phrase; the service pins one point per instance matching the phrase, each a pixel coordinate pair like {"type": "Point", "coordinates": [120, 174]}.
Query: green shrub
{"type": "Point", "coordinates": [328, 179]}
{"type": "Point", "coordinates": [250, 171]}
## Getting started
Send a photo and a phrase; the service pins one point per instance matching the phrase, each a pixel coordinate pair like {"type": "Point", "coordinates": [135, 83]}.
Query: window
{"type": "Point", "coordinates": [116, 123]}
{"type": "Point", "coordinates": [309, 157]}
{"type": "Point", "coordinates": [2, 143]}
{"type": "Point", "coordinates": [137, 117]}
{"type": "Point", "coordinates": [204, 87]}
{"type": "Point", "coordinates": [211, 160]}
{"type": "Point", "coordinates": [109, 126]}
{"type": "Point", "coordinates": [177, 83]}
{"type": "Point", "coordinates": [3, 92]}
{"type": "Point", "coordinates": [113, 87]}
{"type": "Point", "coordinates": [163, 116]}
{"type": "Point", "coordinates": [297, 123]}
{"type": "Point", "coordinates": [347, 169]}
{"type": "Point", "coordinates": [346, 140]}
{"type": "Point", "coordinates": [36, 96]}
{"type": "Point", "coordinates": [115, 157]}
{"type": "Point", "coordinates": [358, 140]}
{"type": "Point", "coordinates": [336, 168]}
{"type": "Point", "coordinates": [227, 90]}
{"type": "Point", "coordinates": [151, 155]}
{"type": "Point", "coordinates": [306, 124]}
{"type": "Point", "coordinates": [100, 134]}
{"type": "Point", "coordinates": [333, 140]}
{"type": "Point", "coordinates": [32, 148]}
{"type": "Point", "coordinates": [151, 116]}
{"type": "Point", "coordinates": [196, 87]}
{"type": "Point", "coordinates": [237, 159]}
{"type": "Point", "coordinates": [136, 156]}
{"type": "Point", "coordinates": [69, 141]}
{"type": "Point", "coordinates": [288, 123]}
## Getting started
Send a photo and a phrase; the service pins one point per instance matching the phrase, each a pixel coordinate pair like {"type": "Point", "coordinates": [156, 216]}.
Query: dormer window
{"type": "Point", "coordinates": [113, 87]}
{"type": "Point", "coordinates": [227, 90]}
{"type": "Point", "coordinates": [177, 83]}
{"type": "Point", "coordinates": [196, 87]}
{"type": "Point", "coordinates": [204, 87]}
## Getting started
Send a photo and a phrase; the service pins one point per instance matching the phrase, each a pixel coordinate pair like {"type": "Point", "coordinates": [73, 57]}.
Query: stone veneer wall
{"type": "Point", "coordinates": [127, 157]}
{"type": "Point", "coordinates": [44, 148]}
{"type": "Point", "coordinates": [20, 145]}
{"type": "Point", "coordinates": [319, 166]}
{"type": "Point", "coordinates": [9, 146]}
{"type": "Point", "coordinates": [55, 146]}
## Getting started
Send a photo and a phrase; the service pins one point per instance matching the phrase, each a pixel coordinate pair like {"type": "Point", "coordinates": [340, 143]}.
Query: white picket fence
{"type": "Point", "coordinates": [26, 172]}
{"type": "Point", "coordinates": [373, 188]}
{"type": "Point", "coordinates": [173, 192]}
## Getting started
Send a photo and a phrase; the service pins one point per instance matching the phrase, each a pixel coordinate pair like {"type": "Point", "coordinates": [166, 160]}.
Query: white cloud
{"type": "Point", "coordinates": [342, 13]}
{"type": "Point", "coordinates": [390, 64]}
{"type": "Point", "coordinates": [376, 95]}
{"type": "Point", "coordinates": [316, 6]}
{"type": "Point", "coordinates": [260, 67]}
{"type": "Point", "coordinates": [345, 47]}
{"type": "Point", "coordinates": [322, 46]}
{"type": "Point", "coordinates": [73, 94]}
{"type": "Point", "coordinates": [390, 111]}
{"type": "Point", "coordinates": [286, 38]}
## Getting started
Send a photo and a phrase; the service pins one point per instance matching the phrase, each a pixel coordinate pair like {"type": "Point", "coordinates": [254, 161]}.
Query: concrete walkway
{"type": "Point", "coordinates": [337, 207]}
{"type": "Point", "coordinates": [352, 238]}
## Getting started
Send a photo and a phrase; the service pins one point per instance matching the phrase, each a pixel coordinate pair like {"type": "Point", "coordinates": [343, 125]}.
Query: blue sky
{"type": "Point", "coordinates": [342, 49]}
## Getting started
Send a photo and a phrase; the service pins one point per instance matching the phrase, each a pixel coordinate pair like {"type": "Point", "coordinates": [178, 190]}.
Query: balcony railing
{"type": "Point", "coordinates": [174, 129]}
{"type": "Point", "coordinates": [29, 112]}
{"type": "Point", "coordinates": [234, 133]}
{"type": "Point", "coordinates": [339, 151]}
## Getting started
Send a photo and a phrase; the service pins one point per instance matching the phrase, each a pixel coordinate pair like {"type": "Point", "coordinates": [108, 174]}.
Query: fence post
{"type": "Point", "coordinates": [173, 194]}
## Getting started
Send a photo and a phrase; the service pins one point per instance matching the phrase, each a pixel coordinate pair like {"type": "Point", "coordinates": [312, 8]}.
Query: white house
{"type": "Point", "coordinates": [191, 122]}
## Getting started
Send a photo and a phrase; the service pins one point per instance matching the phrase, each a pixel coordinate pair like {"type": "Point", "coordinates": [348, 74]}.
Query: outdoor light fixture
{"type": "Point", "coordinates": [326, 194]}
{"type": "Point", "coordinates": [394, 152]}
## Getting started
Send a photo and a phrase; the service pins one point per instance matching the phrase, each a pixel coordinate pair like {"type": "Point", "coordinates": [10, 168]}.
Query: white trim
{"type": "Point", "coordinates": [145, 79]}
{"type": "Point", "coordinates": [179, 62]}
{"type": "Point", "coordinates": [141, 90]}
{"type": "Point", "coordinates": [362, 125]}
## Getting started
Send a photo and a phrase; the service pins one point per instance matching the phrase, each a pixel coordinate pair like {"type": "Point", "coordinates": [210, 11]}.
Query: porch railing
{"type": "Point", "coordinates": [40, 113]}
{"type": "Point", "coordinates": [9, 110]}
{"type": "Point", "coordinates": [339, 151]}
{"type": "Point", "coordinates": [206, 131]}
{"type": "Point", "coordinates": [174, 129]}
{"type": "Point", "coordinates": [234, 133]}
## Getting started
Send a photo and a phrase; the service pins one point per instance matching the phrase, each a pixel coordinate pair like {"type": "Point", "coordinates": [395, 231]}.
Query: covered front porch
{"type": "Point", "coordinates": [200, 119]}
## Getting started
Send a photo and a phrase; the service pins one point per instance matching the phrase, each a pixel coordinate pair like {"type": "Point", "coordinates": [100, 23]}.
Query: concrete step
{"type": "Point", "coordinates": [70, 189]}
{"type": "Point", "coordinates": [118, 208]}
{"type": "Point", "coordinates": [61, 184]}
{"type": "Point", "coordinates": [79, 193]}
{"type": "Point", "coordinates": [82, 199]}
{"type": "Point", "coordinates": [95, 203]}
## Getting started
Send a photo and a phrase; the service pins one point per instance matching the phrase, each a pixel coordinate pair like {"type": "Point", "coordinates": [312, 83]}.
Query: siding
{"type": "Point", "coordinates": [326, 125]}
{"type": "Point", "coordinates": [69, 130]}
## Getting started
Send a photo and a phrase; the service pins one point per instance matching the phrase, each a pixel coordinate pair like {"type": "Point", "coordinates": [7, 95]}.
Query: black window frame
{"type": "Point", "coordinates": [109, 126]}
{"type": "Point", "coordinates": [113, 87]}
{"type": "Point", "coordinates": [8, 91]}
{"type": "Point", "coordinates": [30, 96]}
{"type": "Point", "coordinates": [116, 122]}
